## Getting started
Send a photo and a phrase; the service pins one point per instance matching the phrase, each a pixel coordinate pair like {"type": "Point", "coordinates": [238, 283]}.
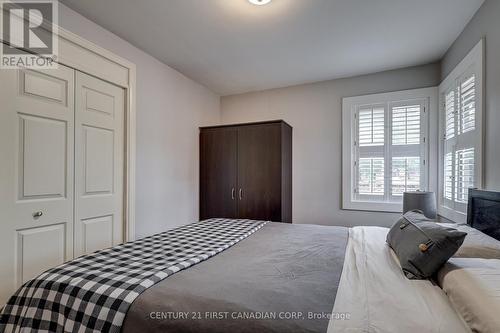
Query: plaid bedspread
{"type": "Point", "coordinates": [93, 293]}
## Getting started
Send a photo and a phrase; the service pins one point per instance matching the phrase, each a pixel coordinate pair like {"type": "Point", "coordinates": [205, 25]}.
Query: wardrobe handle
{"type": "Point", "coordinates": [232, 193]}
{"type": "Point", "coordinates": [37, 214]}
{"type": "Point", "coordinates": [241, 194]}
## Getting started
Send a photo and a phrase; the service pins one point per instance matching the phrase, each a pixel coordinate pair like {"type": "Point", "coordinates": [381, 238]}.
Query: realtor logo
{"type": "Point", "coordinates": [29, 33]}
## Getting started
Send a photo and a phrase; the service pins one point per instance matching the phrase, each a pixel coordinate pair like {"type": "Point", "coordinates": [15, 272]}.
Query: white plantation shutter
{"type": "Point", "coordinates": [406, 148]}
{"type": "Point", "coordinates": [460, 152]}
{"type": "Point", "coordinates": [390, 150]}
{"type": "Point", "coordinates": [405, 175]}
{"type": "Point", "coordinates": [460, 108]}
{"type": "Point", "coordinates": [406, 125]}
{"type": "Point", "coordinates": [467, 114]}
{"type": "Point", "coordinates": [384, 147]}
{"type": "Point", "coordinates": [371, 176]}
{"type": "Point", "coordinates": [459, 142]}
{"type": "Point", "coordinates": [464, 174]}
{"type": "Point", "coordinates": [448, 176]}
{"type": "Point", "coordinates": [370, 129]}
{"type": "Point", "coordinates": [371, 126]}
{"type": "Point", "coordinates": [450, 114]}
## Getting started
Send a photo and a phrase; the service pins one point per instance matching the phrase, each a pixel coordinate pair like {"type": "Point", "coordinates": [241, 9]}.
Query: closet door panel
{"type": "Point", "coordinates": [98, 170]}
{"type": "Point", "coordinates": [38, 249]}
{"type": "Point", "coordinates": [36, 173]}
{"type": "Point", "coordinates": [259, 172]}
{"type": "Point", "coordinates": [99, 161]}
{"type": "Point", "coordinates": [42, 157]}
{"type": "Point", "coordinates": [97, 233]}
{"type": "Point", "coordinates": [218, 173]}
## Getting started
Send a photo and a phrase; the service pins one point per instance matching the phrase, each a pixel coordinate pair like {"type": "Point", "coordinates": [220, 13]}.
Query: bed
{"type": "Point", "coordinates": [226, 275]}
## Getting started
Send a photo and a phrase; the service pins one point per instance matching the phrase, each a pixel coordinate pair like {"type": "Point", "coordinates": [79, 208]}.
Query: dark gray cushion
{"type": "Point", "coordinates": [417, 216]}
{"type": "Point", "coordinates": [421, 245]}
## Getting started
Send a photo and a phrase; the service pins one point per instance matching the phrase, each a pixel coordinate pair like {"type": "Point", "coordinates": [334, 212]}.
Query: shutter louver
{"type": "Point", "coordinates": [448, 176]}
{"type": "Point", "coordinates": [406, 125]}
{"type": "Point", "coordinates": [467, 105]}
{"type": "Point", "coordinates": [371, 176]}
{"type": "Point", "coordinates": [405, 174]}
{"type": "Point", "coordinates": [464, 173]}
{"type": "Point", "coordinates": [371, 127]}
{"type": "Point", "coordinates": [450, 114]}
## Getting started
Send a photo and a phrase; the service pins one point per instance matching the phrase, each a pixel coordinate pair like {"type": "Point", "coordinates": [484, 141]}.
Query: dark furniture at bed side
{"type": "Point", "coordinates": [246, 171]}
{"type": "Point", "coordinates": [483, 212]}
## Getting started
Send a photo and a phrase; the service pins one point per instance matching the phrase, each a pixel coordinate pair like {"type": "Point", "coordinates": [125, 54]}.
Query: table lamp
{"type": "Point", "coordinates": [420, 200]}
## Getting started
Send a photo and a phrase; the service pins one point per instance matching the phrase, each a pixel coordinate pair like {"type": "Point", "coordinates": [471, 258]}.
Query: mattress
{"type": "Point", "coordinates": [473, 286]}
{"type": "Point", "coordinates": [273, 277]}
{"type": "Point", "coordinates": [283, 278]}
{"type": "Point", "coordinates": [378, 297]}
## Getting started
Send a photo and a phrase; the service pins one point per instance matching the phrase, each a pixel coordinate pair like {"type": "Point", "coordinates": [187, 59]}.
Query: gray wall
{"type": "Point", "coordinates": [486, 23]}
{"type": "Point", "coordinates": [314, 111]}
{"type": "Point", "coordinates": [170, 107]}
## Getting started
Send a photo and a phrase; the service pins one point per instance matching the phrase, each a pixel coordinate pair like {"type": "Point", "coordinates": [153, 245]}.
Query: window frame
{"type": "Point", "coordinates": [428, 97]}
{"type": "Point", "coordinates": [472, 64]}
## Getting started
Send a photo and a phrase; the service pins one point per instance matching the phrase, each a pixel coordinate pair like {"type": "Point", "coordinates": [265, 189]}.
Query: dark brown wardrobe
{"type": "Point", "coordinates": [246, 171]}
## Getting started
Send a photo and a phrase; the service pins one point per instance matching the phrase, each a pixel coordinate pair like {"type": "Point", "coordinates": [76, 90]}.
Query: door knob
{"type": "Point", "coordinates": [37, 214]}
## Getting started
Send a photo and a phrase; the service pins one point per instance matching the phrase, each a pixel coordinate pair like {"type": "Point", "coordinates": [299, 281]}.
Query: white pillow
{"type": "Point", "coordinates": [473, 287]}
{"type": "Point", "coordinates": [476, 243]}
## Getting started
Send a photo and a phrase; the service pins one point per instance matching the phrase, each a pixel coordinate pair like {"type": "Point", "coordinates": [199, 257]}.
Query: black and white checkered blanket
{"type": "Point", "coordinates": [93, 293]}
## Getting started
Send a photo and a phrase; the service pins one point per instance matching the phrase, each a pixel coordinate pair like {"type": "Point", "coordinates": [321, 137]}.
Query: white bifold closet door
{"type": "Point", "coordinates": [36, 173]}
{"type": "Point", "coordinates": [99, 154]}
{"type": "Point", "coordinates": [61, 170]}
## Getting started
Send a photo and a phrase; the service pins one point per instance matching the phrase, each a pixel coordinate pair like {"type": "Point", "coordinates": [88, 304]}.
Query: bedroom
{"type": "Point", "coordinates": [151, 117]}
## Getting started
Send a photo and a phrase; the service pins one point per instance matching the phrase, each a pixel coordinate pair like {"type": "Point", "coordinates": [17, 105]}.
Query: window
{"type": "Point", "coordinates": [385, 148]}
{"type": "Point", "coordinates": [460, 150]}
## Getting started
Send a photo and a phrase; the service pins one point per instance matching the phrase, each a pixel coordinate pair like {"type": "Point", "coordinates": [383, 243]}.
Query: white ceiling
{"type": "Point", "coordinates": [232, 46]}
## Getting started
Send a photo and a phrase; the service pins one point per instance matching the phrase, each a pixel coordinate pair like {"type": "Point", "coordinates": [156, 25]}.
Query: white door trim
{"type": "Point", "coordinates": [85, 56]}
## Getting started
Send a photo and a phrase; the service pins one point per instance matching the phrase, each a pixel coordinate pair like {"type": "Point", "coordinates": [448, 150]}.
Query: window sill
{"type": "Point", "coordinates": [373, 206]}
{"type": "Point", "coordinates": [452, 215]}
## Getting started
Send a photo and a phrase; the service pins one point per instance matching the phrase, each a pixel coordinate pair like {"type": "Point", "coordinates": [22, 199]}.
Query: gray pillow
{"type": "Point", "coordinates": [417, 216]}
{"type": "Point", "coordinates": [422, 246]}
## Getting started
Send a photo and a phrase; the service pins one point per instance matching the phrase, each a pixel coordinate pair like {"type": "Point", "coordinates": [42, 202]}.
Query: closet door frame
{"type": "Point", "coordinates": [85, 56]}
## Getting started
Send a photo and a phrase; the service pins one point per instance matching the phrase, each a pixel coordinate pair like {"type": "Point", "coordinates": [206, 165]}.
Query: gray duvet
{"type": "Point", "coordinates": [283, 278]}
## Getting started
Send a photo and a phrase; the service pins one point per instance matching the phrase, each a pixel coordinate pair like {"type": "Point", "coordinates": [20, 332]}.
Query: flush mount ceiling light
{"type": "Point", "coordinates": [259, 2]}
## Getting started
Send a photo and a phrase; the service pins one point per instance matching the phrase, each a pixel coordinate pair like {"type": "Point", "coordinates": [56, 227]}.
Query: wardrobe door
{"type": "Point", "coordinates": [259, 172]}
{"type": "Point", "coordinates": [99, 164]}
{"type": "Point", "coordinates": [218, 172]}
{"type": "Point", "coordinates": [36, 173]}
